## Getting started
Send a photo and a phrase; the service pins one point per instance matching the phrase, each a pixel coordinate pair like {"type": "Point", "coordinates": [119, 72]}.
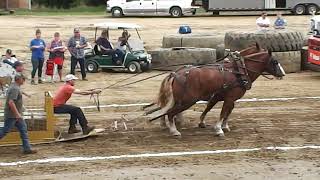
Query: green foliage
{"type": "Point", "coordinates": [59, 4]}
{"type": "Point", "coordinates": [95, 2]}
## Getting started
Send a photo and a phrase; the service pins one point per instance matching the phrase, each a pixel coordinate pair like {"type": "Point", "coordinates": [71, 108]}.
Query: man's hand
{"type": "Point", "coordinates": [96, 91]}
{"type": "Point", "coordinates": [18, 117]}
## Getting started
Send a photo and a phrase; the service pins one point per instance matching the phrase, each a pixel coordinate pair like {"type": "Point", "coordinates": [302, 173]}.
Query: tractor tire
{"type": "Point", "coordinates": [290, 61]}
{"type": "Point", "coordinates": [275, 41]}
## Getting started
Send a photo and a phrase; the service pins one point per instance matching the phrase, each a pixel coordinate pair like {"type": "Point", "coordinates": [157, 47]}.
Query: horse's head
{"type": "Point", "coordinates": [274, 67]}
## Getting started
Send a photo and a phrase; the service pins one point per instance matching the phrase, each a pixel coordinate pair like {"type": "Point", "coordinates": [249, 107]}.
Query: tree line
{"type": "Point", "coordinates": [66, 4]}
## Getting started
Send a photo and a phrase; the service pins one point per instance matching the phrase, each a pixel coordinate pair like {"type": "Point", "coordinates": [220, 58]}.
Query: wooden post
{"type": "Point", "coordinates": [7, 5]}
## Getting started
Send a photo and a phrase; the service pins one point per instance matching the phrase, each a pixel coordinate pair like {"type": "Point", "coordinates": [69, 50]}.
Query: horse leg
{"type": "Point", "coordinates": [210, 105]}
{"type": "Point", "coordinates": [179, 120]}
{"type": "Point", "coordinates": [225, 112]}
{"type": "Point", "coordinates": [163, 122]}
{"type": "Point", "coordinates": [225, 126]}
{"type": "Point", "coordinates": [172, 126]}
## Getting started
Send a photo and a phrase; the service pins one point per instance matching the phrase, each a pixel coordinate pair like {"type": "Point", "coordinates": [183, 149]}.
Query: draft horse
{"type": "Point", "coordinates": [226, 82]}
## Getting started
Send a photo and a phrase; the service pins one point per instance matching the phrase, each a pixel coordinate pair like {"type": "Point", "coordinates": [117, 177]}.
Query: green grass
{"type": "Point", "coordinates": [82, 10]}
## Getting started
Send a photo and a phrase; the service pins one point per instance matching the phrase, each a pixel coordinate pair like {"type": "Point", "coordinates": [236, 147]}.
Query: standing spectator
{"type": "Point", "coordinates": [76, 46]}
{"type": "Point", "coordinates": [263, 22]}
{"type": "Point", "coordinates": [9, 58]}
{"type": "Point", "coordinates": [280, 22]}
{"type": "Point", "coordinates": [13, 113]}
{"type": "Point", "coordinates": [57, 49]}
{"type": "Point", "coordinates": [37, 47]}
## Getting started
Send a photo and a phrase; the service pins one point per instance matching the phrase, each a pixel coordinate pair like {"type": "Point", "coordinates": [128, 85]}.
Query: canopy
{"type": "Point", "coordinates": [116, 25]}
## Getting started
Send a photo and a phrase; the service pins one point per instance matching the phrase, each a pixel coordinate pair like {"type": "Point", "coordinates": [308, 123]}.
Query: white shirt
{"type": "Point", "coordinates": [265, 21]}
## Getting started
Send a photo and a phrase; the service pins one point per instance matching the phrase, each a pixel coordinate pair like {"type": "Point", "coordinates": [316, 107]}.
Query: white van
{"type": "Point", "coordinates": [175, 8]}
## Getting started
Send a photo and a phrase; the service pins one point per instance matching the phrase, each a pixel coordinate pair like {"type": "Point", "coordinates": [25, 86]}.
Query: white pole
{"type": "Point", "coordinates": [29, 4]}
{"type": "Point", "coordinates": [7, 5]}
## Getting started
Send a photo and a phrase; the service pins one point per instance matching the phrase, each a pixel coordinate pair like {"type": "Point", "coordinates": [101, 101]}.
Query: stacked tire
{"type": "Point", "coordinates": [285, 45]}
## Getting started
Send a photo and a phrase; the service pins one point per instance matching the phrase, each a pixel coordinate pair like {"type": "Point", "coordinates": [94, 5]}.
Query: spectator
{"type": "Point", "coordinates": [76, 46]}
{"type": "Point", "coordinates": [9, 58]}
{"type": "Point", "coordinates": [280, 22]}
{"type": "Point", "coordinates": [18, 66]}
{"type": "Point", "coordinates": [37, 47]}
{"type": "Point", "coordinates": [263, 22]}
{"type": "Point", "coordinates": [104, 44]}
{"type": "Point", "coordinates": [57, 49]}
{"type": "Point", "coordinates": [60, 107]}
{"type": "Point", "coordinates": [13, 114]}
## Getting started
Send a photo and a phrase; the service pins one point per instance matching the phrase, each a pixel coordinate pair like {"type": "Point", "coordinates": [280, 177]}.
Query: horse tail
{"type": "Point", "coordinates": [165, 99]}
{"type": "Point", "coordinates": [165, 96]}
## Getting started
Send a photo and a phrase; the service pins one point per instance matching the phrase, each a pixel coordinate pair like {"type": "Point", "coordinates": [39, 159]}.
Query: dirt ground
{"type": "Point", "coordinates": [253, 124]}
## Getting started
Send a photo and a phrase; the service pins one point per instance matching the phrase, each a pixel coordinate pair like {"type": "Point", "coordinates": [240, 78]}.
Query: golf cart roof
{"type": "Point", "coordinates": [113, 25]}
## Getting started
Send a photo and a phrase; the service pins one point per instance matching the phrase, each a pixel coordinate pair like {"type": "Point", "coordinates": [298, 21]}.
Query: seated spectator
{"type": "Point", "coordinates": [104, 44]}
{"type": "Point", "coordinates": [280, 22]}
{"type": "Point", "coordinates": [9, 58]}
{"type": "Point", "coordinates": [263, 22]}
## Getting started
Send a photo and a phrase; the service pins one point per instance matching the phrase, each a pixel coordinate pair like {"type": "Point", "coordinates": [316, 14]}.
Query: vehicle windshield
{"type": "Point", "coordinates": [136, 44]}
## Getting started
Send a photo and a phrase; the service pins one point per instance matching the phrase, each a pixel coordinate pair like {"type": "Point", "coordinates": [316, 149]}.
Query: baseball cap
{"type": "Point", "coordinates": [70, 77]}
{"type": "Point", "coordinates": [16, 64]}
{"type": "Point", "coordinates": [19, 76]}
{"type": "Point", "coordinates": [76, 30]}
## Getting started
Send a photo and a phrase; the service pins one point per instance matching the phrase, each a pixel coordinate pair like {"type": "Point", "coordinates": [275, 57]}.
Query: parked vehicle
{"type": "Point", "coordinates": [298, 7]}
{"type": "Point", "coordinates": [135, 59]}
{"type": "Point", "coordinates": [175, 8]}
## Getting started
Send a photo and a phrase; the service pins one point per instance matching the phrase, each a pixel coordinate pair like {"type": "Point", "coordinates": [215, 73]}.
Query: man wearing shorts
{"type": "Point", "coordinates": [37, 47]}
{"type": "Point", "coordinates": [57, 49]}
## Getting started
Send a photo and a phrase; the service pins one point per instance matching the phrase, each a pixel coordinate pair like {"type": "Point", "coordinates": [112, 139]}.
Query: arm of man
{"type": "Point", "coordinates": [85, 43]}
{"type": "Point", "coordinates": [70, 47]}
{"type": "Point", "coordinates": [14, 109]}
{"type": "Point", "coordinates": [87, 92]}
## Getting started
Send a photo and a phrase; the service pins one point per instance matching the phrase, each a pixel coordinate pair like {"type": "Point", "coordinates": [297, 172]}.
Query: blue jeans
{"type": "Point", "coordinates": [21, 126]}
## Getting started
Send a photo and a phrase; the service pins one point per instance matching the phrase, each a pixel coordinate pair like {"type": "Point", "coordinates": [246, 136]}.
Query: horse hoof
{"type": "Point", "coordinates": [220, 134]}
{"type": "Point", "coordinates": [202, 125]}
{"type": "Point", "coordinates": [177, 133]}
{"type": "Point", "coordinates": [226, 129]}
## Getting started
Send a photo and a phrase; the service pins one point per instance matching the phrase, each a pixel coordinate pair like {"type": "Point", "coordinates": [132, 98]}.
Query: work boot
{"type": "Point", "coordinates": [30, 151]}
{"type": "Point", "coordinates": [86, 130]}
{"type": "Point", "coordinates": [72, 130]}
{"type": "Point", "coordinates": [40, 81]}
{"type": "Point", "coordinates": [33, 83]}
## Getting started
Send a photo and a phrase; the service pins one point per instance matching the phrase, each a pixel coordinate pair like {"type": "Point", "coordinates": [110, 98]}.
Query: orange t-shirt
{"type": "Point", "coordinates": [63, 95]}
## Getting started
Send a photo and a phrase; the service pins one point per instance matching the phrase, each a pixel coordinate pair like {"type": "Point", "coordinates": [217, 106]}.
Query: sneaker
{"type": "Point", "coordinates": [30, 152]}
{"type": "Point", "coordinates": [73, 130]}
{"type": "Point", "coordinates": [32, 82]}
{"type": "Point", "coordinates": [87, 130]}
{"type": "Point", "coordinates": [84, 79]}
{"type": "Point", "coordinates": [40, 81]}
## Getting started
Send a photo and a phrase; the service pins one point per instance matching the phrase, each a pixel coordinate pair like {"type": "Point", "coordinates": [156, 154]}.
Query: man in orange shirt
{"type": "Point", "coordinates": [60, 107]}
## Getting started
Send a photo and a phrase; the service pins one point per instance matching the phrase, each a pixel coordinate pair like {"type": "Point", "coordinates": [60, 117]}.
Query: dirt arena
{"type": "Point", "coordinates": [253, 124]}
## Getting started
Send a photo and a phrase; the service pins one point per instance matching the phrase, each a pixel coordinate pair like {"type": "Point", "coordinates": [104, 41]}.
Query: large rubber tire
{"type": "Point", "coordinates": [276, 41]}
{"type": "Point", "coordinates": [176, 12]}
{"type": "Point", "coordinates": [92, 67]}
{"type": "Point", "coordinates": [134, 67]}
{"type": "Point", "coordinates": [299, 9]}
{"type": "Point", "coordinates": [290, 61]}
{"type": "Point", "coordinates": [311, 8]}
{"type": "Point", "coordinates": [117, 12]}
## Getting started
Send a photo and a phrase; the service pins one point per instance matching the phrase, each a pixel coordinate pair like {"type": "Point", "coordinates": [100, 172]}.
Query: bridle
{"type": "Point", "coordinates": [270, 60]}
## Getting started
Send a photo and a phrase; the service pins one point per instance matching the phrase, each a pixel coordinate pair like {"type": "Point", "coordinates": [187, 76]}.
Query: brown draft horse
{"type": "Point", "coordinates": [182, 89]}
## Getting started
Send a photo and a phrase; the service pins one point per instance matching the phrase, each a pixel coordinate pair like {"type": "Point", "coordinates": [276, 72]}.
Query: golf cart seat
{"type": "Point", "coordinates": [89, 51]}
